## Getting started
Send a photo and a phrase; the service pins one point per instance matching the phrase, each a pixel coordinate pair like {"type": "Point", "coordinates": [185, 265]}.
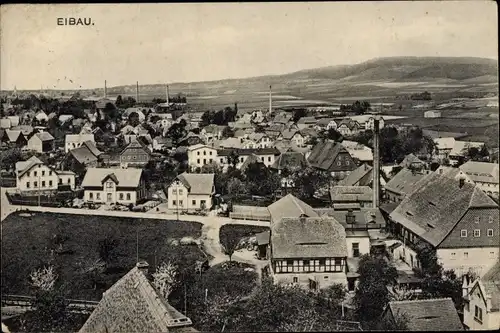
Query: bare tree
{"type": "Point", "coordinates": [165, 278]}
{"type": "Point", "coordinates": [397, 293]}
{"type": "Point", "coordinates": [43, 278]}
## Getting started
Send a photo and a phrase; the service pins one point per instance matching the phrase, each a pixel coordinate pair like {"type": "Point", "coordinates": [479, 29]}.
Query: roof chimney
{"type": "Point", "coordinates": [143, 266]}
{"type": "Point", "coordinates": [376, 163]}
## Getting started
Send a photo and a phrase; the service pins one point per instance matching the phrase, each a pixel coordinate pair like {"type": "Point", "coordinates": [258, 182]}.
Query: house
{"type": "Point", "coordinates": [348, 127]}
{"type": "Point", "coordinates": [356, 219]}
{"type": "Point", "coordinates": [450, 148]}
{"type": "Point", "coordinates": [14, 120]}
{"type": "Point", "coordinates": [265, 155]}
{"type": "Point", "coordinates": [290, 206]}
{"type": "Point", "coordinates": [308, 252]}
{"type": "Point", "coordinates": [402, 184]}
{"type": "Point", "coordinates": [14, 137]}
{"type": "Point", "coordinates": [229, 143]}
{"type": "Point", "coordinates": [212, 132]}
{"type": "Point", "coordinates": [161, 143]}
{"type": "Point", "coordinates": [452, 216]}
{"type": "Point", "coordinates": [427, 315]}
{"type": "Point", "coordinates": [351, 197]}
{"type": "Point", "coordinates": [73, 141]}
{"type": "Point", "coordinates": [65, 118]}
{"type": "Point", "coordinates": [81, 158]}
{"type": "Point", "coordinates": [200, 155]}
{"type": "Point", "coordinates": [283, 118]}
{"type": "Point", "coordinates": [412, 161]}
{"type": "Point", "coordinates": [191, 139]}
{"type": "Point", "coordinates": [306, 122]}
{"type": "Point", "coordinates": [139, 111]}
{"type": "Point", "coordinates": [132, 304]}
{"type": "Point", "coordinates": [483, 174]}
{"type": "Point", "coordinates": [325, 124]}
{"type": "Point", "coordinates": [135, 154]}
{"type": "Point", "coordinates": [41, 117]}
{"type": "Point", "coordinates": [114, 186]}
{"type": "Point", "coordinates": [443, 147]}
{"type": "Point", "coordinates": [191, 191]}
{"type": "Point", "coordinates": [432, 114]}
{"type": "Point", "coordinates": [287, 163]}
{"type": "Point", "coordinates": [293, 136]}
{"type": "Point", "coordinates": [482, 301]}
{"type": "Point", "coordinates": [41, 142]}
{"type": "Point", "coordinates": [331, 157]}
{"type": "Point", "coordinates": [261, 140]}
{"type": "Point", "coordinates": [34, 175]}
{"type": "Point", "coordinates": [359, 152]}
{"type": "Point", "coordinates": [460, 149]}
{"type": "Point", "coordinates": [362, 176]}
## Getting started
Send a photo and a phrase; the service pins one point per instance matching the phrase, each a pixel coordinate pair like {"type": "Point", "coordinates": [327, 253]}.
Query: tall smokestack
{"type": "Point", "coordinates": [137, 92]}
{"type": "Point", "coordinates": [376, 163]}
{"type": "Point", "coordinates": [168, 96]}
{"type": "Point", "coordinates": [270, 99]}
{"type": "Point", "coordinates": [105, 89]}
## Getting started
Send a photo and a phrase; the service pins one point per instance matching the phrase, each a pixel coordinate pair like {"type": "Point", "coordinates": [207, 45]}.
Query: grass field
{"type": "Point", "coordinates": [27, 243]}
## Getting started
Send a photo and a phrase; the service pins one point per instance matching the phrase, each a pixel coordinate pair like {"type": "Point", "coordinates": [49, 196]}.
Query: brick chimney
{"type": "Point", "coordinates": [143, 266]}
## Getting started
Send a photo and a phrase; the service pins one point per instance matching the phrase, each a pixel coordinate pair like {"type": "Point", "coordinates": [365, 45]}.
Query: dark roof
{"type": "Point", "coordinates": [324, 154]}
{"type": "Point", "coordinates": [362, 217]}
{"type": "Point", "coordinates": [388, 207]}
{"type": "Point", "coordinates": [308, 238]}
{"type": "Point", "coordinates": [290, 206]}
{"type": "Point", "coordinates": [243, 152]}
{"type": "Point", "coordinates": [133, 305]}
{"type": "Point", "coordinates": [92, 147]}
{"type": "Point", "coordinates": [432, 210]}
{"type": "Point", "coordinates": [409, 160]}
{"type": "Point", "coordinates": [263, 237]}
{"type": "Point", "coordinates": [307, 120]}
{"type": "Point", "coordinates": [83, 155]}
{"type": "Point", "coordinates": [291, 160]}
{"type": "Point", "coordinates": [429, 314]}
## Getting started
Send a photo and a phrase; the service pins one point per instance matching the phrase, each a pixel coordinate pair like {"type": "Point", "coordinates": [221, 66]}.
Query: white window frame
{"type": "Point", "coordinates": [463, 233]}
{"type": "Point", "coordinates": [490, 232]}
{"type": "Point", "coordinates": [466, 255]}
{"type": "Point", "coordinates": [477, 232]}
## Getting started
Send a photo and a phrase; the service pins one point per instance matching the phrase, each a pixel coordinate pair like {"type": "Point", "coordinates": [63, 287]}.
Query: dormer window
{"type": "Point", "coordinates": [109, 185]}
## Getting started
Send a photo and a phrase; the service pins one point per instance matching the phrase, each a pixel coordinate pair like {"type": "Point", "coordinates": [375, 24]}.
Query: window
{"type": "Point", "coordinates": [322, 262]}
{"type": "Point", "coordinates": [326, 277]}
{"type": "Point", "coordinates": [91, 196]}
{"type": "Point", "coordinates": [109, 184]}
{"type": "Point", "coordinates": [50, 183]}
{"type": "Point", "coordinates": [492, 255]}
{"type": "Point", "coordinates": [477, 219]}
{"type": "Point", "coordinates": [43, 173]}
{"type": "Point", "coordinates": [128, 196]}
{"type": "Point", "coordinates": [193, 202]}
{"type": "Point", "coordinates": [210, 160]}
{"type": "Point", "coordinates": [134, 157]}
{"type": "Point", "coordinates": [355, 250]}
{"type": "Point", "coordinates": [490, 232]}
{"type": "Point", "coordinates": [204, 161]}
{"type": "Point", "coordinates": [204, 152]}
{"type": "Point", "coordinates": [34, 173]}
{"type": "Point", "coordinates": [222, 160]}
{"type": "Point", "coordinates": [339, 163]}
{"type": "Point", "coordinates": [174, 191]}
{"type": "Point", "coordinates": [477, 233]}
{"type": "Point", "coordinates": [490, 219]}
{"type": "Point", "coordinates": [210, 153]}
{"type": "Point", "coordinates": [466, 255]}
{"type": "Point", "coordinates": [295, 279]}
{"type": "Point", "coordinates": [43, 183]}
{"type": "Point", "coordinates": [453, 256]}
{"type": "Point", "coordinates": [28, 184]}
{"type": "Point", "coordinates": [98, 196]}
{"type": "Point", "coordinates": [198, 161]}
{"type": "Point", "coordinates": [180, 191]}
{"type": "Point", "coordinates": [463, 233]}
{"type": "Point", "coordinates": [203, 203]}
{"type": "Point", "coordinates": [27, 174]}
{"type": "Point", "coordinates": [478, 313]}
{"type": "Point", "coordinates": [121, 196]}
{"type": "Point", "coordinates": [50, 173]}
{"type": "Point", "coordinates": [181, 203]}
{"type": "Point", "coordinates": [174, 203]}
{"type": "Point", "coordinates": [241, 159]}
{"type": "Point", "coordinates": [198, 153]}
{"type": "Point", "coordinates": [269, 159]}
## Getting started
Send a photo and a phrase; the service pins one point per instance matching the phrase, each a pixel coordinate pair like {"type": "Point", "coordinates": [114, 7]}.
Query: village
{"type": "Point", "coordinates": [335, 203]}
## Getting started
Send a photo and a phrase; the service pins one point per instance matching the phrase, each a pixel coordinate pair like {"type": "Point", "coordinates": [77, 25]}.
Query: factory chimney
{"type": "Point", "coordinates": [137, 92]}
{"type": "Point", "coordinates": [168, 96]}
{"type": "Point", "coordinates": [105, 89]}
{"type": "Point", "coordinates": [270, 99]}
{"type": "Point", "coordinates": [376, 163]}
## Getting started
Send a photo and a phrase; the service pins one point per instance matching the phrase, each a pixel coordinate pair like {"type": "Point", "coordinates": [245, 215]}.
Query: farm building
{"type": "Point", "coordinates": [432, 114]}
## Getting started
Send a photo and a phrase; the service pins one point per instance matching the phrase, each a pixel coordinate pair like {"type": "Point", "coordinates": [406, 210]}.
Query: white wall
{"type": "Point", "coordinates": [324, 279]}
{"type": "Point", "coordinates": [42, 175]}
{"type": "Point", "coordinates": [477, 259]}
{"type": "Point", "coordinates": [490, 320]}
{"type": "Point", "coordinates": [101, 196]}
{"type": "Point", "coordinates": [202, 156]}
{"type": "Point", "coordinates": [178, 193]}
{"type": "Point", "coordinates": [364, 245]}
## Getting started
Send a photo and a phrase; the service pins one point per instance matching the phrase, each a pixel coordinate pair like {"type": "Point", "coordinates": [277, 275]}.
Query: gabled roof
{"type": "Point", "coordinates": [44, 136]}
{"type": "Point", "coordinates": [481, 171]}
{"type": "Point", "coordinates": [133, 305]}
{"type": "Point", "coordinates": [435, 207]}
{"type": "Point", "coordinates": [198, 146]}
{"type": "Point", "coordinates": [291, 160]}
{"type": "Point", "coordinates": [491, 284]}
{"type": "Point", "coordinates": [460, 146]}
{"type": "Point", "coordinates": [135, 143]}
{"type": "Point", "coordinates": [79, 137]}
{"type": "Point", "coordinates": [428, 315]}
{"type": "Point", "coordinates": [283, 118]}
{"type": "Point", "coordinates": [23, 166]}
{"type": "Point", "coordinates": [263, 237]}
{"type": "Point", "coordinates": [126, 177]}
{"type": "Point", "coordinates": [13, 135]}
{"type": "Point", "coordinates": [197, 183]}
{"type": "Point", "coordinates": [409, 160]}
{"type": "Point", "coordinates": [83, 155]}
{"type": "Point", "coordinates": [324, 154]}
{"type": "Point", "coordinates": [356, 175]}
{"type": "Point", "coordinates": [290, 206]}
{"type": "Point", "coordinates": [349, 123]}
{"type": "Point", "coordinates": [351, 193]}
{"type": "Point", "coordinates": [307, 120]}
{"type": "Point", "coordinates": [289, 134]}
{"type": "Point", "coordinates": [248, 152]}
{"type": "Point", "coordinates": [325, 121]}
{"type": "Point", "coordinates": [404, 181]}
{"type": "Point", "coordinates": [318, 237]}
{"type": "Point", "coordinates": [90, 145]}
{"type": "Point", "coordinates": [444, 143]}
{"type": "Point", "coordinates": [65, 117]}
{"type": "Point", "coordinates": [25, 129]}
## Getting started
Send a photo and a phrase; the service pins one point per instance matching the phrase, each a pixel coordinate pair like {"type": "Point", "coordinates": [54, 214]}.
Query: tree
{"type": "Point", "coordinates": [398, 322]}
{"type": "Point", "coordinates": [333, 134]}
{"type": "Point", "coordinates": [309, 180]}
{"type": "Point", "coordinates": [233, 158]}
{"type": "Point", "coordinates": [177, 131]}
{"type": "Point", "coordinates": [107, 248]}
{"type": "Point", "coordinates": [43, 279]}
{"type": "Point", "coordinates": [299, 113]}
{"type": "Point", "coordinates": [165, 278]}
{"type": "Point", "coordinates": [230, 242]}
{"type": "Point", "coordinates": [91, 269]}
{"type": "Point", "coordinates": [9, 157]}
{"type": "Point", "coordinates": [236, 187]}
{"type": "Point", "coordinates": [119, 101]}
{"type": "Point", "coordinates": [228, 132]}
{"type": "Point", "coordinates": [397, 293]}
{"type": "Point", "coordinates": [375, 274]}
{"type": "Point", "coordinates": [210, 168]}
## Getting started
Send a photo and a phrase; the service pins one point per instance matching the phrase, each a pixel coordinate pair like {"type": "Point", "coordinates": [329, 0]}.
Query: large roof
{"type": "Point", "coordinates": [429, 314]}
{"type": "Point", "coordinates": [291, 160]}
{"type": "Point", "coordinates": [133, 305]}
{"type": "Point", "coordinates": [404, 181]}
{"type": "Point", "coordinates": [23, 166]}
{"type": "Point", "coordinates": [126, 177]}
{"type": "Point", "coordinates": [324, 154]}
{"type": "Point", "coordinates": [356, 175]}
{"type": "Point", "coordinates": [44, 136]}
{"type": "Point", "coordinates": [83, 155]}
{"type": "Point", "coordinates": [198, 183]}
{"type": "Point", "coordinates": [297, 237]}
{"type": "Point", "coordinates": [290, 206]}
{"type": "Point", "coordinates": [436, 205]}
{"type": "Point", "coordinates": [481, 171]}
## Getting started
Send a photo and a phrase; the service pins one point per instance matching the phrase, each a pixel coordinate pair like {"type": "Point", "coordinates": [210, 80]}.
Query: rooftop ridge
{"type": "Point", "coordinates": [422, 300]}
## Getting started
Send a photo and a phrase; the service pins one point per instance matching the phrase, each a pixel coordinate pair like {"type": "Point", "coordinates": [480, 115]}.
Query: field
{"type": "Point", "coordinates": [28, 241]}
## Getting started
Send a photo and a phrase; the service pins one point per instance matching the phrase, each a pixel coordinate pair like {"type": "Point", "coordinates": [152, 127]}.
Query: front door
{"type": "Point", "coordinates": [109, 197]}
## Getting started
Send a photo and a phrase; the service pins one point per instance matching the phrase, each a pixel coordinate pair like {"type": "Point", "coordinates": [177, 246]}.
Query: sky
{"type": "Point", "coordinates": [179, 42]}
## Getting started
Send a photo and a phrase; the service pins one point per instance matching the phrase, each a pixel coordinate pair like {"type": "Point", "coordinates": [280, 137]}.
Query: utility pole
{"type": "Point", "coordinates": [177, 197]}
